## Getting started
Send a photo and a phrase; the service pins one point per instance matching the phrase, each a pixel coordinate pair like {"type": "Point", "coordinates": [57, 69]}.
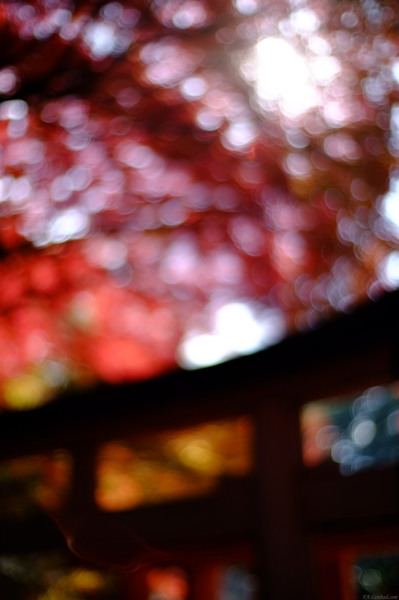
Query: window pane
{"type": "Point", "coordinates": [169, 583]}
{"type": "Point", "coordinates": [377, 576]}
{"type": "Point", "coordinates": [172, 464]}
{"type": "Point", "coordinates": [28, 482]}
{"type": "Point", "coordinates": [237, 583]}
{"type": "Point", "coordinates": [357, 432]}
{"type": "Point", "coordinates": [48, 576]}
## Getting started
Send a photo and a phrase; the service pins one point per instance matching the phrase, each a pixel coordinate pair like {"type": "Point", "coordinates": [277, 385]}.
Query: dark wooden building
{"type": "Point", "coordinates": [297, 528]}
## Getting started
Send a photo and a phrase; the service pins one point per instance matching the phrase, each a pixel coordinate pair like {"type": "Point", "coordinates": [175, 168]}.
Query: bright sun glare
{"type": "Point", "coordinates": [281, 77]}
{"type": "Point", "coordinates": [239, 328]}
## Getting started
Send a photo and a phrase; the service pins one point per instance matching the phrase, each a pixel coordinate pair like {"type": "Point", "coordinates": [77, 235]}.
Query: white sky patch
{"type": "Point", "coordinates": [305, 20]}
{"type": "Point", "coordinates": [239, 135]}
{"type": "Point", "coordinates": [8, 80]}
{"type": "Point", "coordinates": [101, 38]}
{"type": "Point", "coordinates": [190, 14]}
{"type": "Point", "coordinates": [208, 120]}
{"type": "Point", "coordinates": [325, 69]}
{"type": "Point", "coordinates": [13, 110]}
{"type": "Point", "coordinates": [394, 141]}
{"type": "Point", "coordinates": [193, 88]}
{"type": "Point", "coordinates": [247, 7]}
{"type": "Point", "coordinates": [21, 190]}
{"type": "Point", "coordinates": [68, 224]}
{"type": "Point", "coordinates": [395, 71]}
{"type": "Point", "coordinates": [238, 329]}
{"type": "Point", "coordinates": [390, 205]}
{"type": "Point", "coordinates": [6, 186]}
{"type": "Point", "coordinates": [389, 270]}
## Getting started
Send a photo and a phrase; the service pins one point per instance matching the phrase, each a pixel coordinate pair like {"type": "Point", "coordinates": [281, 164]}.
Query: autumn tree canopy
{"type": "Point", "coordinates": [186, 180]}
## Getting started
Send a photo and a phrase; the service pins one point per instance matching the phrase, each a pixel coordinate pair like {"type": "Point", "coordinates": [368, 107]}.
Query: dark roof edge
{"type": "Point", "coordinates": [368, 326]}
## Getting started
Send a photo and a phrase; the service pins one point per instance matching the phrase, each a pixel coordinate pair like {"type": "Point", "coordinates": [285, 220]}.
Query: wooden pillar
{"type": "Point", "coordinates": [205, 582]}
{"type": "Point", "coordinates": [136, 586]}
{"type": "Point", "coordinates": [83, 477]}
{"type": "Point", "coordinates": [284, 570]}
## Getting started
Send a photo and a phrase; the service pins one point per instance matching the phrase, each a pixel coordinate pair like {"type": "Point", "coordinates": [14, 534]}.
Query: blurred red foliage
{"type": "Point", "coordinates": [156, 167]}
